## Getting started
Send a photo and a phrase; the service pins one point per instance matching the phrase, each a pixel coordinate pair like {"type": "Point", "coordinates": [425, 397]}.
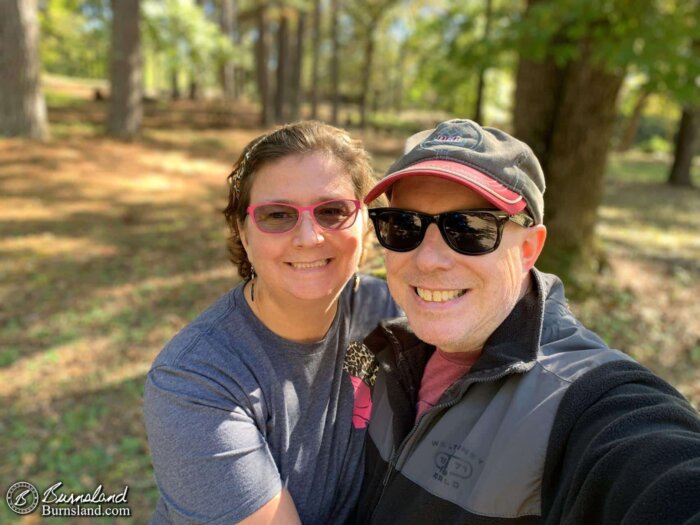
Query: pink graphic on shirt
{"type": "Point", "coordinates": [363, 403]}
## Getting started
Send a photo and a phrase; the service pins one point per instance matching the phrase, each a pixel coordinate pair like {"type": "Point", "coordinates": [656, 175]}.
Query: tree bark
{"type": "Point", "coordinates": [262, 55]}
{"type": "Point", "coordinates": [335, 63]}
{"type": "Point", "coordinates": [397, 98]}
{"type": "Point", "coordinates": [537, 93]}
{"type": "Point", "coordinates": [194, 93]}
{"type": "Point", "coordinates": [566, 114]}
{"type": "Point", "coordinates": [22, 104]}
{"type": "Point", "coordinates": [295, 85]}
{"type": "Point", "coordinates": [195, 73]}
{"type": "Point", "coordinates": [315, 57]}
{"type": "Point", "coordinates": [481, 81]}
{"type": "Point", "coordinates": [686, 147]}
{"type": "Point", "coordinates": [629, 132]}
{"type": "Point", "coordinates": [174, 84]}
{"type": "Point", "coordinates": [126, 100]}
{"type": "Point", "coordinates": [282, 91]}
{"type": "Point", "coordinates": [228, 70]}
{"type": "Point", "coordinates": [367, 70]}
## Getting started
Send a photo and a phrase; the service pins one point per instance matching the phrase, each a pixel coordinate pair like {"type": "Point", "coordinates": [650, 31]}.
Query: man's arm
{"type": "Point", "coordinates": [625, 448]}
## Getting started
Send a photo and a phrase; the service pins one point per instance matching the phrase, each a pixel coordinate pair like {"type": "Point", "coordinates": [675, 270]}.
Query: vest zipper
{"type": "Point", "coordinates": [399, 453]}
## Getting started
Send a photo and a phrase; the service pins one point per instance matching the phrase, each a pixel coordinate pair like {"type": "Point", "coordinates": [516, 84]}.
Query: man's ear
{"type": "Point", "coordinates": [532, 245]}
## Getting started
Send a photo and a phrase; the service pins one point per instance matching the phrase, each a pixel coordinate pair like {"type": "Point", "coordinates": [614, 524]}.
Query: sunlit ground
{"type": "Point", "coordinates": [107, 249]}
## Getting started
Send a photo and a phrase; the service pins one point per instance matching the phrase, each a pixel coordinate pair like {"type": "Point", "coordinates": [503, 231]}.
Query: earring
{"type": "Point", "coordinates": [252, 284]}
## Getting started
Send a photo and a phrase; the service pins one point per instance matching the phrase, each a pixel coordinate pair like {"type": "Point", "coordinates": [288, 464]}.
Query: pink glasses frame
{"type": "Point", "coordinates": [301, 209]}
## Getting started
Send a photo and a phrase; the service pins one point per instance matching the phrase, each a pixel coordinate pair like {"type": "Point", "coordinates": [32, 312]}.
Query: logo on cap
{"type": "Point", "coordinates": [461, 134]}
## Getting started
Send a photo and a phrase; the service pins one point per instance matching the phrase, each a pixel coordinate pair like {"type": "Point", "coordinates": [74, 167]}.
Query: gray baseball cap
{"type": "Point", "coordinates": [488, 161]}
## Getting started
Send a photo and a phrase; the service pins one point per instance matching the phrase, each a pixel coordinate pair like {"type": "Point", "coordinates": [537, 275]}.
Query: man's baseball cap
{"type": "Point", "coordinates": [488, 161]}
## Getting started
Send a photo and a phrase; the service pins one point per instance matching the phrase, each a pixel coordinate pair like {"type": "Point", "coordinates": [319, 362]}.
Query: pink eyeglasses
{"type": "Point", "coordinates": [280, 217]}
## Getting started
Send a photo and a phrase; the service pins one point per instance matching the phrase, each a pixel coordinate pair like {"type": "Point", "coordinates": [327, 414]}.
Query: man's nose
{"type": "Point", "coordinates": [433, 253]}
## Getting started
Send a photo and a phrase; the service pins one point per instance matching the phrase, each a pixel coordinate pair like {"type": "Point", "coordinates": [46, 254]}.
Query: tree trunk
{"type": "Point", "coordinates": [367, 71]}
{"type": "Point", "coordinates": [566, 114]}
{"type": "Point", "coordinates": [315, 57]}
{"type": "Point", "coordinates": [481, 82]}
{"type": "Point", "coordinates": [195, 91]}
{"type": "Point", "coordinates": [22, 104]}
{"type": "Point", "coordinates": [537, 92]}
{"type": "Point", "coordinates": [686, 147]}
{"type": "Point", "coordinates": [174, 84]}
{"type": "Point", "coordinates": [335, 63]}
{"type": "Point", "coordinates": [397, 98]}
{"type": "Point", "coordinates": [227, 73]}
{"type": "Point", "coordinates": [296, 89]}
{"type": "Point", "coordinates": [262, 54]}
{"type": "Point", "coordinates": [629, 133]}
{"type": "Point", "coordinates": [126, 100]}
{"type": "Point", "coordinates": [282, 92]}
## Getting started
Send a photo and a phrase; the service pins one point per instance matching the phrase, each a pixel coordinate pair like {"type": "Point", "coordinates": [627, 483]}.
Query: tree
{"type": "Point", "coordinates": [126, 100]}
{"type": "Point", "coordinates": [689, 127]}
{"type": "Point", "coordinates": [298, 66]}
{"type": "Point", "coordinates": [228, 69]}
{"type": "Point", "coordinates": [263, 69]}
{"type": "Point", "coordinates": [686, 147]}
{"type": "Point", "coordinates": [75, 37]}
{"type": "Point", "coordinates": [368, 15]}
{"type": "Point", "coordinates": [478, 104]}
{"type": "Point", "coordinates": [566, 114]}
{"type": "Point", "coordinates": [283, 70]}
{"type": "Point", "coordinates": [631, 126]}
{"type": "Point", "coordinates": [195, 67]}
{"type": "Point", "coordinates": [574, 55]}
{"type": "Point", "coordinates": [22, 105]}
{"type": "Point", "coordinates": [315, 57]}
{"type": "Point", "coordinates": [179, 31]}
{"type": "Point", "coordinates": [335, 61]}
{"type": "Point", "coordinates": [453, 45]}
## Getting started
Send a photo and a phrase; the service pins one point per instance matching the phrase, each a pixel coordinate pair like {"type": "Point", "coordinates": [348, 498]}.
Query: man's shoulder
{"type": "Point", "coordinates": [567, 347]}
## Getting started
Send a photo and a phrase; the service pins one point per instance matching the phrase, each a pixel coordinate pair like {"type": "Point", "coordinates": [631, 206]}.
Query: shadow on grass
{"type": "Point", "coordinates": [101, 272]}
{"type": "Point", "coordinates": [82, 440]}
{"type": "Point", "coordinates": [670, 261]}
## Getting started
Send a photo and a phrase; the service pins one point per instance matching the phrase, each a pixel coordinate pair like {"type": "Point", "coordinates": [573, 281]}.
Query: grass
{"type": "Point", "coordinates": [109, 248]}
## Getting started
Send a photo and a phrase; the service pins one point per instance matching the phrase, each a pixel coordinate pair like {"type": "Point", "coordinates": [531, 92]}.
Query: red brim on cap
{"type": "Point", "coordinates": [492, 190]}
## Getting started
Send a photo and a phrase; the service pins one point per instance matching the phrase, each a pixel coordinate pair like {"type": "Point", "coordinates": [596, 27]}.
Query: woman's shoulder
{"type": "Point", "coordinates": [370, 289]}
{"type": "Point", "coordinates": [370, 302]}
{"type": "Point", "coordinates": [365, 286]}
{"type": "Point", "coordinates": [206, 336]}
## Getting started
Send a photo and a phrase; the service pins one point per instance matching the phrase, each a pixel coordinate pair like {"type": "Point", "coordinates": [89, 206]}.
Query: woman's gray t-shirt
{"type": "Point", "coordinates": [234, 413]}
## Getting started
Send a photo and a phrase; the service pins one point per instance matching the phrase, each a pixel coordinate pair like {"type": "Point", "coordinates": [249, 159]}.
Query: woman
{"type": "Point", "coordinates": [250, 410]}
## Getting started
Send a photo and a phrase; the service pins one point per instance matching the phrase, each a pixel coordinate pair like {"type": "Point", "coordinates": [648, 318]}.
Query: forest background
{"type": "Point", "coordinates": [120, 120]}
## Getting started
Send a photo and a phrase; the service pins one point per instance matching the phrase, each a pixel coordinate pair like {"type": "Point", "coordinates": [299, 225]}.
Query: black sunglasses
{"type": "Point", "coordinates": [469, 232]}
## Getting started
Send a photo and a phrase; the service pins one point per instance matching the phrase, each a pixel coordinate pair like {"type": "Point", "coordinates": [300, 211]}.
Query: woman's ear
{"type": "Point", "coordinates": [242, 234]}
{"type": "Point", "coordinates": [532, 245]}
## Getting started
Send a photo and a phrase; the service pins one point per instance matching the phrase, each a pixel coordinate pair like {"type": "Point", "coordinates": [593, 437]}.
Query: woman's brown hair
{"type": "Point", "coordinates": [292, 139]}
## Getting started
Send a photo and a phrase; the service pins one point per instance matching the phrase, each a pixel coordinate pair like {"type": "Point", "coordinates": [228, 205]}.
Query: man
{"type": "Point", "coordinates": [494, 404]}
